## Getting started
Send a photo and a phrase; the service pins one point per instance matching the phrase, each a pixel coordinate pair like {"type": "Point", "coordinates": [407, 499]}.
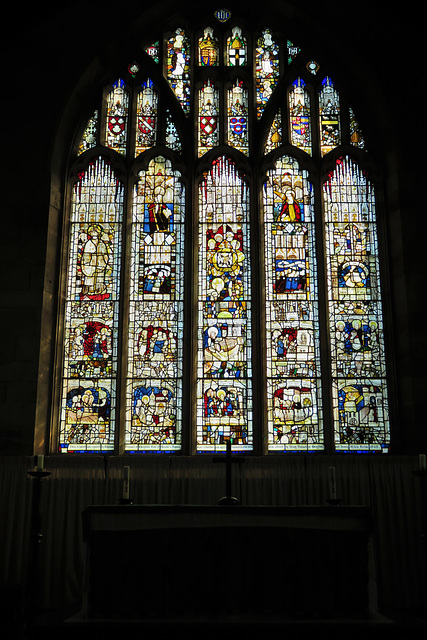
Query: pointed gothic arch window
{"type": "Point", "coordinates": [222, 279]}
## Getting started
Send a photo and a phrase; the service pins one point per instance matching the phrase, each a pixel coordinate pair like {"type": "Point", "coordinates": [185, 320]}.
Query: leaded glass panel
{"type": "Point", "coordinates": [178, 67]}
{"type": "Point", "coordinates": [237, 110]}
{"type": "Point", "coordinates": [146, 117]}
{"type": "Point", "coordinates": [237, 49]}
{"type": "Point", "coordinates": [91, 312]}
{"type": "Point", "coordinates": [300, 116]}
{"type": "Point", "coordinates": [267, 69]}
{"type": "Point", "coordinates": [154, 390]}
{"type": "Point", "coordinates": [292, 329]}
{"type": "Point", "coordinates": [329, 117]}
{"type": "Point", "coordinates": [355, 314]}
{"type": "Point", "coordinates": [224, 398]}
{"type": "Point", "coordinates": [117, 117]}
{"type": "Point", "coordinates": [208, 117]}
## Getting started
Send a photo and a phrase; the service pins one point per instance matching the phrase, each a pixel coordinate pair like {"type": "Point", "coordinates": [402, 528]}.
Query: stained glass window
{"type": "Point", "coordinates": [237, 48]}
{"type": "Point", "coordinates": [91, 311]}
{"type": "Point", "coordinates": [156, 310]}
{"type": "Point", "coordinates": [280, 325]}
{"type": "Point", "coordinates": [146, 117]}
{"type": "Point", "coordinates": [178, 67]}
{"type": "Point", "coordinates": [208, 117]}
{"type": "Point", "coordinates": [224, 410]}
{"type": "Point", "coordinates": [208, 49]}
{"type": "Point", "coordinates": [117, 117]}
{"type": "Point", "coordinates": [355, 316]}
{"type": "Point", "coordinates": [329, 116]}
{"type": "Point", "coordinates": [267, 69]}
{"type": "Point", "coordinates": [292, 330]}
{"type": "Point", "coordinates": [300, 116]}
{"type": "Point", "coordinates": [237, 109]}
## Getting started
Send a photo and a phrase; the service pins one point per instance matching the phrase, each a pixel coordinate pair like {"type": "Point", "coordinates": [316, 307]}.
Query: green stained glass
{"type": "Point", "coordinates": [153, 51]}
{"type": "Point", "coordinates": [292, 330]}
{"type": "Point", "coordinates": [300, 116]}
{"type": "Point", "coordinates": [117, 117]}
{"type": "Point", "coordinates": [224, 404]}
{"type": "Point", "coordinates": [266, 70]}
{"type": "Point", "coordinates": [237, 114]}
{"type": "Point", "coordinates": [178, 67]}
{"type": "Point", "coordinates": [355, 314]}
{"type": "Point", "coordinates": [292, 51]}
{"type": "Point", "coordinates": [154, 388]}
{"type": "Point", "coordinates": [91, 312]}
{"type": "Point", "coordinates": [146, 117]}
{"type": "Point", "coordinates": [329, 117]}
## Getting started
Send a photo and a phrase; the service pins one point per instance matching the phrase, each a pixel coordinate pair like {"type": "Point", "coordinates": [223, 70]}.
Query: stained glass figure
{"type": "Point", "coordinates": [292, 50]}
{"type": "Point", "coordinates": [208, 49]}
{"type": "Point", "coordinates": [224, 410]}
{"type": "Point", "coordinates": [146, 118]}
{"type": "Point", "coordinates": [237, 114]}
{"type": "Point", "coordinates": [356, 135]}
{"type": "Point", "coordinates": [91, 313]}
{"type": "Point", "coordinates": [172, 138]}
{"type": "Point", "coordinates": [292, 329]}
{"type": "Point", "coordinates": [300, 115]}
{"type": "Point", "coordinates": [329, 117]}
{"type": "Point", "coordinates": [90, 134]}
{"type": "Point", "coordinates": [266, 70]}
{"type": "Point", "coordinates": [237, 49]}
{"type": "Point", "coordinates": [154, 389]}
{"type": "Point", "coordinates": [208, 117]}
{"type": "Point", "coordinates": [117, 117]}
{"type": "Point", "coordinates": [355, 312]}
{"type": "Point", "coordinates": [178, 67]}
{"type": "Point", "coordinates": [275, 136]}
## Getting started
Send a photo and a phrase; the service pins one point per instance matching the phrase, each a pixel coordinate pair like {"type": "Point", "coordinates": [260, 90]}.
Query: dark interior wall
{"type": "Point", "coordinates": [53, 60]}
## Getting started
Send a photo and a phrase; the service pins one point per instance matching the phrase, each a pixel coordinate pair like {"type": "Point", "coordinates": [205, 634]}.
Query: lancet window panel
{"type": "Point", "coordinates": [360, 397]}
{"type": "Point", "coordinates": [224, 410]}
{"type": "Point", "coordinates": [87, 421]}
{"type": "Point", "coordinates": [292, 323]}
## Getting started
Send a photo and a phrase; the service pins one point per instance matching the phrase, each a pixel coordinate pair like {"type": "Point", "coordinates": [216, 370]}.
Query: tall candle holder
{"type": "Point", "coordinates": [35, 541]}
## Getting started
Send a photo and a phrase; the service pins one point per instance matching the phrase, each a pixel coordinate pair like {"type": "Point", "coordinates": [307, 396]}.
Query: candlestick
{"type": "Point", "coordinates": [126, 471]}
{"type": "Point", "coordinates": [332, 484]}
{"type": "Point", "coordinates": [40, 463]}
